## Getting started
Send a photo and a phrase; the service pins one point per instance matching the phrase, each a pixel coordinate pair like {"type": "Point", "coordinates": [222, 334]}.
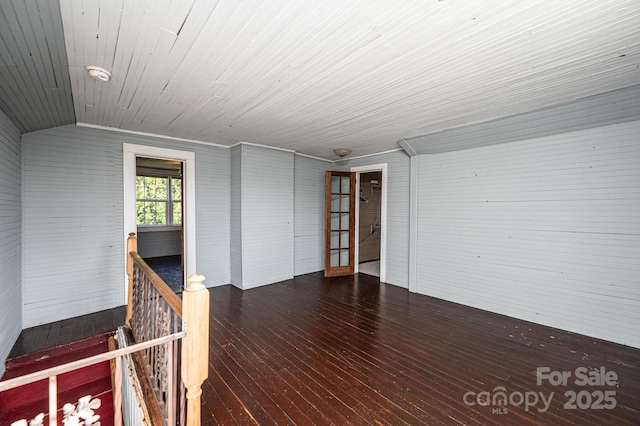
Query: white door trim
{"type": "Point", "coordinates": [383, 216]}
{"type": "Point", "coordinates": [130, 152]}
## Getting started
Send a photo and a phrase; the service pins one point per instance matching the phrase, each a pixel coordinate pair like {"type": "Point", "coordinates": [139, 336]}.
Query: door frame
{"type": "Point", "coordinates": [130, 152]}
{"type": "Point", "coordinates": [383, 216]}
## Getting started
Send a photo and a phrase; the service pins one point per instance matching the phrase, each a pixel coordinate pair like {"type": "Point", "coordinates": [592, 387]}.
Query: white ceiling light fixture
{"type": "Point", "coordinates": [98, 73]}
{"type": "Point", "coordinates": [342, 152]}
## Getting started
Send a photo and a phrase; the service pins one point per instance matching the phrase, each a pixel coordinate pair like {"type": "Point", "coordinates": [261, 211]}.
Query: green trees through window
{"type": "Point", "coordinates": [158, 200]}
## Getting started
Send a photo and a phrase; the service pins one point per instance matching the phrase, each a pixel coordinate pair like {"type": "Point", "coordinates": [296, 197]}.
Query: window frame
{"type": "Point", "coordinates": [168, 201]}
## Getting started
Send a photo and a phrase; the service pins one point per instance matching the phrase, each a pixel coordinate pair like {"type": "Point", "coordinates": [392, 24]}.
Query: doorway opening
{"type": "Point", "coordinates": [184, 208]}
{"type": "Point", "coordinates": [370, 222]}
{"type": "Point", "coordinates": [159, 187]}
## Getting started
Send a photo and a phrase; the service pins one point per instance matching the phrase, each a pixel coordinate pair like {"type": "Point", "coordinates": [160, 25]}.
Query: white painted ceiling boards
{"type": "Point", "coordinates": [309, 75]}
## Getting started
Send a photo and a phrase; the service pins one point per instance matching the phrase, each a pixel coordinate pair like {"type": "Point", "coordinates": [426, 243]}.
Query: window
{"type": "Point", "coordinates": [158, 200]}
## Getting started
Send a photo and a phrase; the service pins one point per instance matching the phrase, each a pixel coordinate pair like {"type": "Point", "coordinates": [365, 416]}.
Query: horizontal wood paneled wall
{"type": "Point", "coordinates": [73, 235]}
{"type": "Point", "coordinates": [71, 222]}
{"type": "Point", "coordinates": [159, 243]}
{"type": "Point", "coordinates": [10, 241]}
{"type": "Point", "coordinates": [236, 215]}
{"type": "Point", "coordinates": [266, 215]}
{"type": "Point", "coordinates": [309, 184]}
{"type": "Point", "coordinates": [399, 168]}
{"type": "Point", "coordinates": [212, 212]}
{"type": "Point", "coordinates": [544, 229]}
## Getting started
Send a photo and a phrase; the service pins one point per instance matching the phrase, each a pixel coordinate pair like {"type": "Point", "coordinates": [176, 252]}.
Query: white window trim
{"type": "Point", "coordinates": [168, 201]}
{"type": "Point", "coordinates": [130, 152]}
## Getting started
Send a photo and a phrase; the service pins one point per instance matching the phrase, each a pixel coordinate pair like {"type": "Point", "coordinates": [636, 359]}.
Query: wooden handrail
{"type": "Point", "coordinates": [85, 362]}
{"type": "Point", "coordinates": [165, 291]}
{"type": "Point", "coordinates": [193, 311]}
{"type": "Point", "coordinates": [134, 258]}
{"type": "Point", "coordinates": [132, 246]}
{"type": "Point", "coordinates": [165, 309]}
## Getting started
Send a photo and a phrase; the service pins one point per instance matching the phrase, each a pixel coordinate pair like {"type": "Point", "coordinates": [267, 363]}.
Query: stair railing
{"type": "Point", "coordinates": [167, 341]}
{"type": "Point", "coordinates": [52, 374]}
{"type": "Point", "coordinates": [174, 371]}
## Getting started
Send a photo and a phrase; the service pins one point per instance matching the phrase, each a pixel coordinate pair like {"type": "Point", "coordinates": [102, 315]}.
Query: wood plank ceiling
{"type": "Point", "coordinates": [35, 91]}
{"type": "Point", "coordinates": [312, 76]}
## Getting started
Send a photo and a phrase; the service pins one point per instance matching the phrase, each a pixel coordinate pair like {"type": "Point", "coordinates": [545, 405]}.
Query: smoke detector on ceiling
{"type": "Point", "coordinates": [98, 73]}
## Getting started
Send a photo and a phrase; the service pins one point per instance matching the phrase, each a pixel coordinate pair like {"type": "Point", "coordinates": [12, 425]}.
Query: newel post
{"type": "Point", "coordinates": [195, 344]}
{"type": "Point", "coordinates": [132, 245]}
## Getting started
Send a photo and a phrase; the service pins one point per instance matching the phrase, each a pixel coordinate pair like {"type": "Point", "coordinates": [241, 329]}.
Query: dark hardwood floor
{"type": "Point", "coordinates": [47, 336]}
{"type": "Point", "coordinates": [315, 351]}
{"type": "Point", "coordinates": [169, 268]}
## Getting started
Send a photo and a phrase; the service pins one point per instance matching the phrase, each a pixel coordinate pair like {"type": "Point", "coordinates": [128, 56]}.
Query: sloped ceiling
{"type": "Point", "coordinates": [310, 75]}
{"type": "Point", "coordinates": [35, 91]}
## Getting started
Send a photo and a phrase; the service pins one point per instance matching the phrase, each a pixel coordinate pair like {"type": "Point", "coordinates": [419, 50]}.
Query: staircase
{"type": "Point", "coordinates": [28, 401]}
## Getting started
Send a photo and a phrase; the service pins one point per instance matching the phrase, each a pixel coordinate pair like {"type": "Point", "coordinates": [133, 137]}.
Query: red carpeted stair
{"type": "Point", "coordinates": [28, 401]}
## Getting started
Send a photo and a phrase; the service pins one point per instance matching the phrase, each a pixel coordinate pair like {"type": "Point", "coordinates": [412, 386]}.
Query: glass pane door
{"type": "Point", "coordinates": [339, 234]}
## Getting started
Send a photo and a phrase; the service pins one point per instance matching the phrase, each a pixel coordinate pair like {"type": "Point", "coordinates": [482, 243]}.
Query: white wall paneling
{"type": "Point", "coordinates": [159, 243]}
{"type": "Point", "coordinates": [413, 222]}
{"type": "Point", "coordinates": [72, 210]}
{"type": "Point", "coordinates": [542, 229]}
{"type": "Point", "coordinates": [398, 191]}
{"type": "Point", "coordinates": [73, 219]}
{"type": "Point", "coordinates": [309, 182]}
{"type": "Point", "coordinates": [10, 237]}
{"type": "Point", "coordinates": [212, 213]}
{"type": "Point", "coordinates": [266, 215]}
{"type": "Point", "coordinates": [236, 215]}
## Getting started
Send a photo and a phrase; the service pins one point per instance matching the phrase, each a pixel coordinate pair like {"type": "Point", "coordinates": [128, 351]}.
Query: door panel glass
{"type": "Point", "coordinates": [335, 184]}
{"type": "Point", "coordinates": [335, 221]}
{"type": "Point", "coordinates": [334, 259]}
{"type": "Point", "coordinates": [344, 257]}
{"type": "Point", "coordinates": [345, 184]}
{"type": "Point", "coordinates": [344, 239]}
{"type": "Point", "coordinates": [335, 203]}
{"type": "Point", "coordinates": [344, 205]}
{"type": "Point", "coordinates": [335, 240]}
{"type": "Point", "coordinates": [344, 222]}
